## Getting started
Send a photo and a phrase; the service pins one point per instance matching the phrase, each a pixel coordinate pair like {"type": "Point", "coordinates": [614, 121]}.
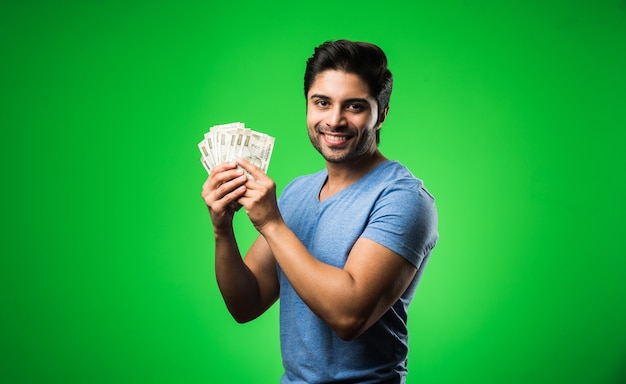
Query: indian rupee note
{"type": "Point", "coordinates": [257, 149]}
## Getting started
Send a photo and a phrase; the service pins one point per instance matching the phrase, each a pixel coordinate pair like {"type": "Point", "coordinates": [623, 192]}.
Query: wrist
{"type": "Point", "coordinates": [223, 230]}
{"type": "Point", "coordinates": [272, 228]}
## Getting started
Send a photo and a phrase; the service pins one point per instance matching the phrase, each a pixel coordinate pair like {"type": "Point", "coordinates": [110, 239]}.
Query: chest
{"type": "Point", "coordinates": [330, 229]}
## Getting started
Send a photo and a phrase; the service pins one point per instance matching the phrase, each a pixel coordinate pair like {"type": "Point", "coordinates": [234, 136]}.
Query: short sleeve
{"type": "Point", "coordinates": [404, 220]}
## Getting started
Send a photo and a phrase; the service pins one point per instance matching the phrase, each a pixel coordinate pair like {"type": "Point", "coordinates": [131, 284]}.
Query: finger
{"type": "Point", "coordinates": [215, 180]}
{"type": "Point", "coordinates": [234, 195]}
{"type": "Point", "coordinates": [229, 186]}
{"type": "Point", "coordinates": [255, 171]}
{"type": "Point", "coordinates": [218, 177]}
{"type": "Point", "coordinates": [224, 166]}
{"type": "Point", "coordinates": [255, 192]}
{"type": "Point", "coordinates": [225, 202]}
{"type": "Point", "coordinates": [221, 183]}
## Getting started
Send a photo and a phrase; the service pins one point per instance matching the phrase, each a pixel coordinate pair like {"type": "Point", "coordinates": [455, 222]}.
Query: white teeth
{"type": "Point", "coordinates": [334, 138]}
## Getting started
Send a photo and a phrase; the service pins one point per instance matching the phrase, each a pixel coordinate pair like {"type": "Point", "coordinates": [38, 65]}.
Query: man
{"type": "Point", "coordinates": [343, 248]}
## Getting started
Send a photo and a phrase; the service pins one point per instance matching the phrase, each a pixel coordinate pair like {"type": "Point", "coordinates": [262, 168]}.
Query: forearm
{"type": "Point", "coordinates": [236, 282]}
{"type": "Point", "coordinates": [330, 292]}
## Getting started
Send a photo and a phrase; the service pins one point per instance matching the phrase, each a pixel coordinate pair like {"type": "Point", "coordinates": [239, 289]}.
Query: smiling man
{"type": "Point", "coordinates": [344, 248]}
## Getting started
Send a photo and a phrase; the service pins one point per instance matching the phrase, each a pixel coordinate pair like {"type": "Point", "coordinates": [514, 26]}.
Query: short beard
{"type": "Point", "coordinates": [355, 154]}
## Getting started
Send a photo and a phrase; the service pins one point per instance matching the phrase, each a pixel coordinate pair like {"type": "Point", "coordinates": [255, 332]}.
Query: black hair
{"type": "Point", "coordinates": [366, 60]}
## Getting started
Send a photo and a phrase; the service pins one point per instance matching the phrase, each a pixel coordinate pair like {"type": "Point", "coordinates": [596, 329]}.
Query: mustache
{"type": "Point", "coordinates": [343, 129]}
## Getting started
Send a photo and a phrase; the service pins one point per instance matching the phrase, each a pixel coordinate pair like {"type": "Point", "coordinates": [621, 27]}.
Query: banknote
{"type": "Point", "coordinates": [227, 142]}
{"type": "Point", "coordinates": [257, 149]}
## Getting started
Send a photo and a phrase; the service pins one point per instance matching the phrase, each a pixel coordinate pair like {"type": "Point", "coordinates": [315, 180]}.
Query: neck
{"type": "Point", "coordinates": [342, 175]}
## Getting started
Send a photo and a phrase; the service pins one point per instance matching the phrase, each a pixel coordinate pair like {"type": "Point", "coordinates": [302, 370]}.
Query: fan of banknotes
{"type": "Point", "coordinates": [228, 142]}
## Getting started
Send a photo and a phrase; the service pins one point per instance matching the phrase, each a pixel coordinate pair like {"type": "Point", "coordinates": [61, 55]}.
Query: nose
{"type": "Point", "coordinates": [336, 117]}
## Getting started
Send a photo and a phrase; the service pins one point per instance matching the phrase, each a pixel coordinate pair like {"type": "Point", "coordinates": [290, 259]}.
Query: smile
{"type": "Point", "coordinates": [334, 140]}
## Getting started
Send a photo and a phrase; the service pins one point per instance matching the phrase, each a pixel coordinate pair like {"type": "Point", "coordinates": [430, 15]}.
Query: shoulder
{"type": "Point", "coordinates": [397, 180]}
{"type": "Point", "coordinates": [404, 217]}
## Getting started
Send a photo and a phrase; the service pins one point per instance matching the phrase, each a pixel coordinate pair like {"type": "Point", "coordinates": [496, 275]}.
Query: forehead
{"type": "Point", "coordinates": [339, 84]}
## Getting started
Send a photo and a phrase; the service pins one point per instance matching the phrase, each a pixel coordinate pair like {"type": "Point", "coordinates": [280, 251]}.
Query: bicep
{"type": "Point", "coordinates": [260, 261]}
{"type": "Point", "coordinates": [380, 277]}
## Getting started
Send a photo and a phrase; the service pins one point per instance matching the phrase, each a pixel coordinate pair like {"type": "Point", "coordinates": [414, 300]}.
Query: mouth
{"type": "Point", "coordinates": [335, 139]}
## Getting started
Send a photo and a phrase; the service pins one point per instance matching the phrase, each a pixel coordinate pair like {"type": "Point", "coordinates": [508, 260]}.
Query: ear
{"type": "Point", "coordinates": [382, 116]}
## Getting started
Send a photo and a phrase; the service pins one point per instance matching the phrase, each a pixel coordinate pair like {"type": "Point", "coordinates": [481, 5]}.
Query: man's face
{"type": "Point", "coordinates": [341, 116]}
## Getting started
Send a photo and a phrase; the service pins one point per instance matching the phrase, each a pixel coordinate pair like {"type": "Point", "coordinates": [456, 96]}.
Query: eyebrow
{"type": "Point", "coordinates": [318, 96]}
{"type": "Point", "coordinates": [351, 100]}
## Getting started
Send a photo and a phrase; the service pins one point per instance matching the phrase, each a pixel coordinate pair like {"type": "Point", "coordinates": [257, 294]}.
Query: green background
{"type": "Point", "coordinates": [514, 114]}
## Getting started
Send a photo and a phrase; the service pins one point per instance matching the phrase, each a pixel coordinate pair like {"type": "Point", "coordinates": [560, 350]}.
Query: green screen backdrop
{"type": "Point", "coordinates": [513, 113]}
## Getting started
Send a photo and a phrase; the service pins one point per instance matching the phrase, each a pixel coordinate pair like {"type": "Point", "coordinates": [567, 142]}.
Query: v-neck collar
{"type": "Point", "coordinates": [332, 197]}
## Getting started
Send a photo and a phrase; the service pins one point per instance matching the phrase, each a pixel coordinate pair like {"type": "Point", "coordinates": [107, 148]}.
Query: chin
{"type": "Point", "coordinates": [339, 158]}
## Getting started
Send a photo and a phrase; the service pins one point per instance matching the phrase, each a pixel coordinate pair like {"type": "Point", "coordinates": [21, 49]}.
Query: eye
{"type": "Point", "coordinates": [355, 107]}
{"type": "Point", "coordinates": [322, 103]}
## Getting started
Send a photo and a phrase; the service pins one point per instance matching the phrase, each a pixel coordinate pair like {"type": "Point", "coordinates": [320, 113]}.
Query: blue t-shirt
{"type": "Point", "coordinates": [389, 206]}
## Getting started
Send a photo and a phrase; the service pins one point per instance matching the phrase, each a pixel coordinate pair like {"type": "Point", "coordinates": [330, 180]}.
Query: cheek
{"type": "Point", "coordinates": [312, 118]}
{"type": "Point", "coordinates": [365, 121]}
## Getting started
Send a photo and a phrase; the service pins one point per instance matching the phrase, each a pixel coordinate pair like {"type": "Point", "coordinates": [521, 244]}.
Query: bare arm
{"type": "Point", "coordinates": [349, 300]}
{"type": "Point", "coordinates": [248, 286]}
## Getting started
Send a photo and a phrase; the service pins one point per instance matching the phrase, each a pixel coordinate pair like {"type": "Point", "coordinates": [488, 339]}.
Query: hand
{"type": "Point", "coordinates": [224, 186]}
{"type": "Point", "coordinates": [259, 197]}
